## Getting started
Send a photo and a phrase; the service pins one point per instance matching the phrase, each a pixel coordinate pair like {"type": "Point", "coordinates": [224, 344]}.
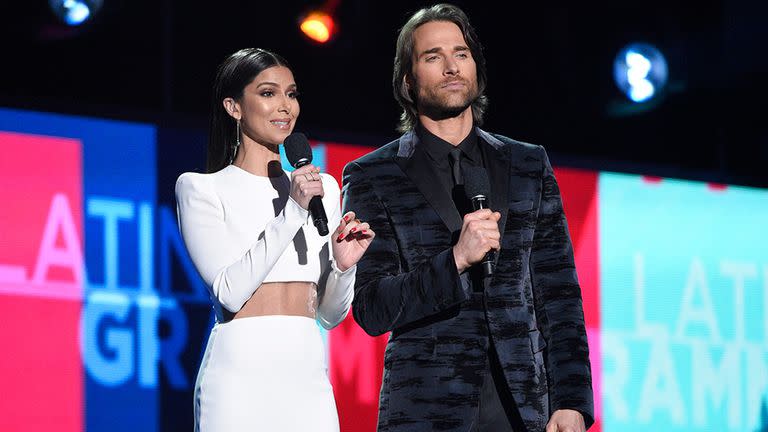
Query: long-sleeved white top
{"type": "Point", "coordinates": [242, 230]}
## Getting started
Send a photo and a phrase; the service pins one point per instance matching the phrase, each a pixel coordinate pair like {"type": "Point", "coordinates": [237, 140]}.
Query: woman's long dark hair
{"type": "Point", "coordinates": [233, 75]}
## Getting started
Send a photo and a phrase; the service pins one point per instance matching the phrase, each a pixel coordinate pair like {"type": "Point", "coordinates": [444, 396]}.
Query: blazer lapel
{"type": "Point", "coordinates": [418, 167]}
{"type": "Point", "coordinates": [498, 165]}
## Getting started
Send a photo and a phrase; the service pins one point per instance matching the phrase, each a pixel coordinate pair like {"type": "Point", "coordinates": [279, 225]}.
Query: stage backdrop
{"type": "Point", "coordinates": [104, 318]}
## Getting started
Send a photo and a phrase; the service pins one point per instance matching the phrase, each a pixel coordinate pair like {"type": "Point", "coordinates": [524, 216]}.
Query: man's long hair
{"type": "Point", "coordinates": [404, 62]}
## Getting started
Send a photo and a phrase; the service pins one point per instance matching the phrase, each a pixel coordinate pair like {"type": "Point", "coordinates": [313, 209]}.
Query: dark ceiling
{"type": "Point", "coordinates": [549, 68]}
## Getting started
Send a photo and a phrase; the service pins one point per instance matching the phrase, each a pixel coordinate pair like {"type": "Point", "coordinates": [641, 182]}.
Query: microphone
{"type": "Point", "coordinates": [478, 189]}
{"type": "Point", "coordinates": [299, 154]}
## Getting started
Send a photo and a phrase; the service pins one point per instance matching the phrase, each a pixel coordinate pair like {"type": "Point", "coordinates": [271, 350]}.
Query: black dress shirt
{"type": "Point", "coordinates": [439, 151]}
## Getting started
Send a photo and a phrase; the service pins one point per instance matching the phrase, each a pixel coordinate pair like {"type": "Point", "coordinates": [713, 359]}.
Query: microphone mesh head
{"type": "Point", "coordinates": [476, 182]}
{"type": "Point", "coordinates": [297, 148]}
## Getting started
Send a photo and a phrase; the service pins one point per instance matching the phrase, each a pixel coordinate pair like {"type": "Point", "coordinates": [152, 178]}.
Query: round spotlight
{"type": "Point", "coordinates": [75, 12]}
{"type": "Point", "coordinates": [640, 71]}
{"type": "Point", "coordinates": [318, 26]}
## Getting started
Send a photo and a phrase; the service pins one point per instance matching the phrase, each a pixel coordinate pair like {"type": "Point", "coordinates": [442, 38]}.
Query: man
{"type": "Point", "coordinates": [467, 352]}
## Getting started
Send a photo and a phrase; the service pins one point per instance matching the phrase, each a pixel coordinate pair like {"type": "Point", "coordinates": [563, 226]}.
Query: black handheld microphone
{"type": "Point", "coordinates": [299, 154]}
{"type": "Point", "coordinates": [478, 190]}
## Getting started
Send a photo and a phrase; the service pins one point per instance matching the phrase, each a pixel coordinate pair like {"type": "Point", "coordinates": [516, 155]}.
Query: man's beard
{"type": "Point", "coordinates": [439, 106]}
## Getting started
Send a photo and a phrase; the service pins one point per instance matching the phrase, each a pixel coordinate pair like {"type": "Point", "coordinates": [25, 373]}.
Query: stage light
{"type": "Point", "coordinates": [640, 71]}
{"type": "Point", "coordinates": [75, 12]}
{"type": "Point", "coordinates": [318, 26]}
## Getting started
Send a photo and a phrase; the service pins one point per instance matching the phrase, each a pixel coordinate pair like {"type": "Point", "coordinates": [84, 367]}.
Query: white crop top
{"type": "Point", "coordinates": [242, 230]}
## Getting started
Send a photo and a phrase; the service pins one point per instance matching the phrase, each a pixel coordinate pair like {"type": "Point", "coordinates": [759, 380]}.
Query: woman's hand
{"type": "Point", "coordinates": [350, 240]}
{"type": "Point", "coordinates": [305, 184]}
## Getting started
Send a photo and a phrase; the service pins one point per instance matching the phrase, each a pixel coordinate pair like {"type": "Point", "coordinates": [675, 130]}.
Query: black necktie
{"type": "Point", "coordinates": [457, 193]}
{"type": "Point", "coordinates": [458, 179]}
{"type": "Point", "coordinates": [464, 206]}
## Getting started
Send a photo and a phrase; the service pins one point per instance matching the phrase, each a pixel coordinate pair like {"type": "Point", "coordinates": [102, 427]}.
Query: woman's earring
{"type": "Point", "coordinates": [236, 145]}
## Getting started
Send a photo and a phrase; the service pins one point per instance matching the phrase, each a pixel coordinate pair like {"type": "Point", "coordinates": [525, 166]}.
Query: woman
{"type": "Point", "coordinates": [269, 272]}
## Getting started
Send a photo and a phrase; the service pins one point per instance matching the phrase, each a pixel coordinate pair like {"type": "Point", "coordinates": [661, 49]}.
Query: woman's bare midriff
{"type": "Point", "coordinates": [282, 298]}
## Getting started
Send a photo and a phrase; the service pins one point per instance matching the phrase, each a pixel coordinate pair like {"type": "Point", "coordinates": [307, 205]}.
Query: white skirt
{"type": "Point", "coordinates": [266, 373]}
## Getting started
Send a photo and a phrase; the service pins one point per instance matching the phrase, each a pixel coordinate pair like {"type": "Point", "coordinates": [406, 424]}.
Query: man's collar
{"type": "Point", "coordinates": [438, 149]}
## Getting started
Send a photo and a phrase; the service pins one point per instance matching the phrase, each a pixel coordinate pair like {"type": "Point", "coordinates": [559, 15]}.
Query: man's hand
{"type": "Point", "coordinates": [479, 234]}
{"type": "Point", "coordinates": [566, 420]}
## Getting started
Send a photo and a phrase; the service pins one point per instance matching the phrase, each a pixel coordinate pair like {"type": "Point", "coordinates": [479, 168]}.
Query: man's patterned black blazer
{"type": "Point", "coordinates": [407, 284]}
